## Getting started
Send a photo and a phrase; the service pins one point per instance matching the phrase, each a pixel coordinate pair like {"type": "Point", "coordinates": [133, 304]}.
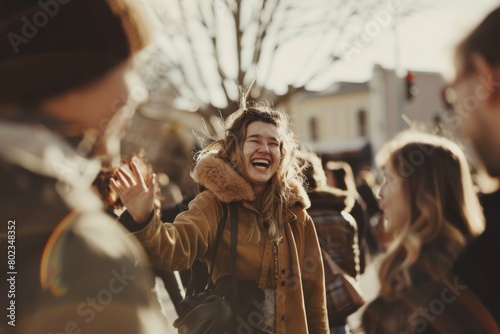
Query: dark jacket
{"type": "Point", "coordinates": [336, 228]}
{"type": "Point", "coordinates": [476, 265]}
{"type": "Point", "coordinates": [74, 268]}
{"type": "Point", "coordinates": [437, 303]}
{"type": "Point", "coordinates": [337, 232]}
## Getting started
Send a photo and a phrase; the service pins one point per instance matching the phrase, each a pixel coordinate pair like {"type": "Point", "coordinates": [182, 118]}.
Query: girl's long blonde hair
{"type": "Point", "coordinates": [281, 187]}
{"type": "Point", "coordinates": [444, 209]}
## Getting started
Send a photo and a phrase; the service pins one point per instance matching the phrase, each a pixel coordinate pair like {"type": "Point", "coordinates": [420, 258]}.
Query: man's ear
{"type": "Point", "coordinates": [489, 77]}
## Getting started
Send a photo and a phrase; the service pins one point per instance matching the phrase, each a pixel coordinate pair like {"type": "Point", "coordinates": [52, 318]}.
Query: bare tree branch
{"type": "Point", "coordinates": [194, 54]}
{"type": "Point", "coordinates": [260, 31]}
{"type": "Point", "coordinates": [263, 27]}
{"type": "Point", "coordinates": [238, 36]}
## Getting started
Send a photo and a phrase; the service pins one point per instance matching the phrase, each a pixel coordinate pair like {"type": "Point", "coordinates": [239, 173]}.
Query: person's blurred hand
{"type": "Point", "coordinates": [136, 194]}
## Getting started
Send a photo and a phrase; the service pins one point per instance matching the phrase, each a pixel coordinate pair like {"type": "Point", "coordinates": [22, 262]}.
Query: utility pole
{"type": "Point", "coordinates": [398, 73]}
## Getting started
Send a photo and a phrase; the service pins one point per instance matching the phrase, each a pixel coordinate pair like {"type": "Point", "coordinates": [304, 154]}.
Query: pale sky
{"type": "Point", "coordinates": [426, 41]}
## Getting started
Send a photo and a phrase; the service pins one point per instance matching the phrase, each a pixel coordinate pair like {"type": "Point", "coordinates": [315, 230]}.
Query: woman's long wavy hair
{"type": "Point", "coordinates": [288, 176]}
{"type": "Point", "coordinates": [444, 209]}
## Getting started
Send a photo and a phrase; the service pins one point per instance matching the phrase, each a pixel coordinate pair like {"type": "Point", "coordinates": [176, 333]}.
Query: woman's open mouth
{"type": "Point", "coordinates": [261, 164]}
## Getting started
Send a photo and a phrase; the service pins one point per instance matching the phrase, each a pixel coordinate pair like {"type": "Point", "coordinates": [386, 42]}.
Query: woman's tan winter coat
{"type": "Point", "coordinates": [300, 291]}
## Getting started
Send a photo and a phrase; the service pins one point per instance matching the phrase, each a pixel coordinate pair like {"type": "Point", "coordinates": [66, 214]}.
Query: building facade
{"type": "Point", "coordinates": [351, 120]}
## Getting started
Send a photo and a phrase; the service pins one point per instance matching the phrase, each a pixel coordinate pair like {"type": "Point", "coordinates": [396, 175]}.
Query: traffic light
{"type": "Point", "coordinates": [411, 88]}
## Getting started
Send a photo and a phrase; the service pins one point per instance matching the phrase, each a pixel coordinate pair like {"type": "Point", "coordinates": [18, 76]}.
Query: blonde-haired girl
{"type": "Point", "coordinates": [432, 211]}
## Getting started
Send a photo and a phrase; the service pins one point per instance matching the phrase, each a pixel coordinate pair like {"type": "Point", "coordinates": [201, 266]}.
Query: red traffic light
{"type": "Point", "coordinates": [410, 77]}
{"type": "Point", "coordinates": [411, 88]}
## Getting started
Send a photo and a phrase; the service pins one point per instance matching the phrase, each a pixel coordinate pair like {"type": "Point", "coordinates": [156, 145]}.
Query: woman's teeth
{"type": "Point", "coordinates": [261, 164]}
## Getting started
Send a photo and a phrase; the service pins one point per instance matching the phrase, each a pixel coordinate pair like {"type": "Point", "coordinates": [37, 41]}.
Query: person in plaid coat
{"type": "Point", "coordinates": [336, 228]}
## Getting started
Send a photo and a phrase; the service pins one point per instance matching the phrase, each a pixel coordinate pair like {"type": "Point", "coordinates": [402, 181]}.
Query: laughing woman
{"type": "Point", "coordinates": [432, 211]}
{"type": "Point", "coordinates": [254, 166]}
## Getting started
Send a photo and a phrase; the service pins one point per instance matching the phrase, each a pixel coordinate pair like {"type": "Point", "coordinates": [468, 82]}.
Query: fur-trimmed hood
{"type": "Point", "coordinates": [228, 186]}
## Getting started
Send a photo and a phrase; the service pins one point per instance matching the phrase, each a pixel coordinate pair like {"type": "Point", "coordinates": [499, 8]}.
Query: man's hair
{"type": "Point", "coordinates": [482, 40]}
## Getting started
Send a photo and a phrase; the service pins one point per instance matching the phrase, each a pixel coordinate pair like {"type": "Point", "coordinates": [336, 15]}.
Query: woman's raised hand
{"type": "Point", "coordinates": [136, 194]}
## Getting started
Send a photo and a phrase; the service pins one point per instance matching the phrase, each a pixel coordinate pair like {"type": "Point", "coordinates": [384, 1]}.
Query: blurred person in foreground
{"type": "Point", "coordinates": [336, 228]}
{"type": "Point", "coordinates": [75, 270]}
{"type": "Point", "coordinates": [253, 165]}
{"type": "Point", "coordinates": [473, 102]}
{"type": "Point", "coordinates": [433, 212]}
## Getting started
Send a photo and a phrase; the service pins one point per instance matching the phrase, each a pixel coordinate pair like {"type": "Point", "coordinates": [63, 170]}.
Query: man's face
{"type": "Point", "coordinates": [94, 106]}
{"type": "Point", "coordinates": [106, 97]}
{"type": "Point", "coordinates": [476, 114]}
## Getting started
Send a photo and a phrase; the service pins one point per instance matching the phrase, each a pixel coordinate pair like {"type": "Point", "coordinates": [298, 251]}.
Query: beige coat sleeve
{"type": "Point", "coordinates": [175, 246]}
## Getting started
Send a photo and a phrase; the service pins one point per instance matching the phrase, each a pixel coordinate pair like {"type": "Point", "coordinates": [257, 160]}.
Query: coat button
{"type": "Point", "coordinates": [283, 317]}
{"type": "Point", "coordinates": [283, 283]}
{"type": "Point", "coordinates": [283, 271]}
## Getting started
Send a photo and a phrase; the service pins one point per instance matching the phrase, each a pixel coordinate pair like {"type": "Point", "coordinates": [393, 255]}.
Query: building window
{"type": "Point", "coordinates": [362, 124]}
{"type": "Point", "coordinates": [313, 128]}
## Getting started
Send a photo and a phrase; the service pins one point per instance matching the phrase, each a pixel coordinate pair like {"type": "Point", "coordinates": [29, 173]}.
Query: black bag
{"type": "Point", "coordinates": [205, 313]}
{"type": "Point", "coordinates": [229, 304]}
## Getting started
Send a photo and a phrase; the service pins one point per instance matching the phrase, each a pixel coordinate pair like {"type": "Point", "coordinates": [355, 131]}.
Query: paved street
{"type": "Point", "coordinates": [369, 285]}
{"type": "Point", "coordinates": [168, 307]}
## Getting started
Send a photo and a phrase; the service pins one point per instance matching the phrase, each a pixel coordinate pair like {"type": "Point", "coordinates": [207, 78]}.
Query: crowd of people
{"type": "Point", "coordinates": [86, 237]}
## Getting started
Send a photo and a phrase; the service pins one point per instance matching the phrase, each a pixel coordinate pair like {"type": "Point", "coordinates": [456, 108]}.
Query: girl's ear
{"type": "Point", "coordinates": [489, 78]}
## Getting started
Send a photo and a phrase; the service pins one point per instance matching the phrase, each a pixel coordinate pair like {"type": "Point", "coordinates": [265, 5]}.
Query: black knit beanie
{"type": "Point", "coordinates": [49, 47]}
